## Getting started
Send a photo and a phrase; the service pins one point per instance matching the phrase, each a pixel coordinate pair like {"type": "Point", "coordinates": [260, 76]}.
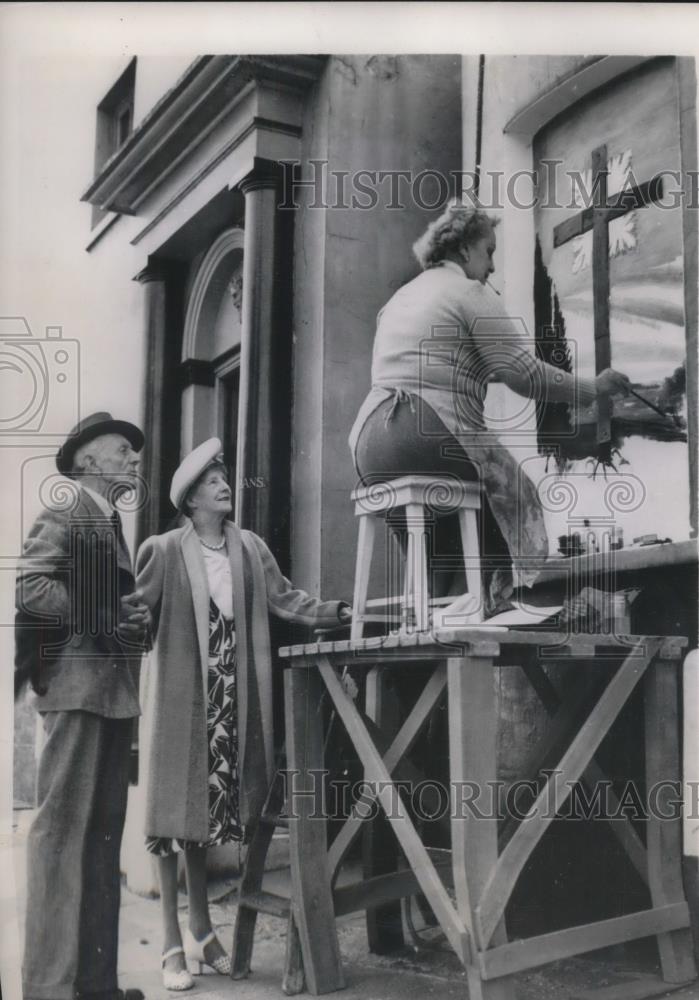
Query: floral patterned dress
{"type": "Point", "coordinates": [222, 727]}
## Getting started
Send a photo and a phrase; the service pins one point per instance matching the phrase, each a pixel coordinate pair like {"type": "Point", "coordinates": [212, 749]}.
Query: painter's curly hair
{"type": "Point", "coordinates": [457, 227]}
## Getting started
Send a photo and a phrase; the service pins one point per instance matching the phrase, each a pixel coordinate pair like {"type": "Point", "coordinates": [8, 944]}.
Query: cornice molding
{"type": "Point", "coordinates": [207, 92]}
{"type": "Point", "coordinates": [583, 81]}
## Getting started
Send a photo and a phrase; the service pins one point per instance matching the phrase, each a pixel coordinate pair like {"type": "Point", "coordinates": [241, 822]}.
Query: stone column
{"type": "Point", "coordinates": [152, 278]}
{"type": "Point", "coordinates": [259, 316]}
{"type": "Point", "coordinates": [138, 866]}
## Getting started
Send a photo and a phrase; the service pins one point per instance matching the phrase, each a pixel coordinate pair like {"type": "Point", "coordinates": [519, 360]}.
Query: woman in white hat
{"type": "Point", "coordinates": [208, 745]}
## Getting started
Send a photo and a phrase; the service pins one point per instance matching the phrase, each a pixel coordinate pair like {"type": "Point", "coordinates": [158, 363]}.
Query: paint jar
{"type": "Point", "coordinates": [570, 545]}
{"type": "Point", "coordinates": [616, 538]}
{"type": "Point", "coordinates": [590, 543]}
{"type": "Point", "coordinates": [620, 614]}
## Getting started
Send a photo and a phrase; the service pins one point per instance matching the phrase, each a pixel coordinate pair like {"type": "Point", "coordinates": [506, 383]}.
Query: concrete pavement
{"type": "Point", "coordinates": [413, 974]}
{"type": "Point", "coordinates": [409, 975]}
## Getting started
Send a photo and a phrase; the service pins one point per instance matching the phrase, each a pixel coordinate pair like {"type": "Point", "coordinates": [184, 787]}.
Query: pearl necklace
{"type": "Point", "coordinates": [214, 548]}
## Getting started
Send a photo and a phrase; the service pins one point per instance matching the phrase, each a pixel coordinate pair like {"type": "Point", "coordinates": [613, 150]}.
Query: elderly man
{"type": "Point", "coordinates": [79, 637]}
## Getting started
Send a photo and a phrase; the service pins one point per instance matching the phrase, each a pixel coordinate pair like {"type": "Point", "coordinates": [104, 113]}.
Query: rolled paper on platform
{"type": "Point", "coordinates": [691, 754]}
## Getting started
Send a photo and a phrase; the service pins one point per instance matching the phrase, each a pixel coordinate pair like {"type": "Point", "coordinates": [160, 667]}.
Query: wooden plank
{"type": "Point", "coordinates": [268, 902]}
{"type": "Point", "coordinates": [508, 647]}
{"type": "Point", "coordinates": [310, 878]}
{"type": "Point", "coordinates": [628, 560]}
{"type": "Point", "coordinates": [592, 778]}
{"type": "Point", "coordinates": [251, 882]}
{"type": "Point", "coordinates": [570, 228]}
{"type": "Point", "coordinates": [687, 86]}
{"type": "Point", "coordinates": [468, 639]}
{"type": "Point", "coordinates": [383, 888]}
{"type": "Point", "coordinates": [600, 289]}
{"type": "Point", "coordinates": [634, 989]}
{"type": "Point", "coordinates": [574, 762]}
{"type": "Point", "coordinates": [540, 681]}
{"type": "Point", "coordinates": [473, 758]}
{"type": "Point", "coordinates": [532, 952]}
{"type": "Point", "coordinates": [392, 602]}
{"type": "Point", "coordinates": [294, 978]}
{"type": "Point", "coordinates": [384, 922]}
{"type": "Point", "coordinates": [664, 835]}
{"type": "Point", "coordinates": [513, 639]}
{"type": "Point", "coordinates": [390, 800]}
{"type": "Point", "coordinates": [582, 695]}
{"type": "Point", "coordinates": [622, 829]}
{"type": "Point", "coordinates": [401, 745]}
{"type": "Point", "coordinates": [641, 195]}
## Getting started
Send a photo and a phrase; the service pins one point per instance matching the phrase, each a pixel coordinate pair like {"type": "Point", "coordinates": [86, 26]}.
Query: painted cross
{"type": "Point", "coordinates": [597, 218]}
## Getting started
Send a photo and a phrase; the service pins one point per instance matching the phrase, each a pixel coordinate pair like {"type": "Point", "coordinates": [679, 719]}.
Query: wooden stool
{"type": "Point", "coordinates": [414, 494]}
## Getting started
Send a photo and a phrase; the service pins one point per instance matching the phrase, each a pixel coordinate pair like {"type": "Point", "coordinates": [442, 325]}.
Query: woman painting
{"type": "Point", "coordinates": [208, 693]}
{"type": "Point", "coordinates": [440, 340]}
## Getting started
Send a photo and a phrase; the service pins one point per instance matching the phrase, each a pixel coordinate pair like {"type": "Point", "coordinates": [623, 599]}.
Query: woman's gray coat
{"type": "Point", "coordinates": [171, 574]}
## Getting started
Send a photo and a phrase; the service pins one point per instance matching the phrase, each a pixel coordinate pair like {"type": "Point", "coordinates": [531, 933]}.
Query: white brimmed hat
{"type": "Point", "coordinates": [191, 468]}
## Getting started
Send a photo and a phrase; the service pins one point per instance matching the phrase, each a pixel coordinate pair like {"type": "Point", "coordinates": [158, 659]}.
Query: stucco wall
{"type": "Point", "coordinates": [368, 113]}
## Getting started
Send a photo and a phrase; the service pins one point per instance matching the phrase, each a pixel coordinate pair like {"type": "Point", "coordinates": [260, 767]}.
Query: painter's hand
{"type": "Point", "coordinates": [612, 383]}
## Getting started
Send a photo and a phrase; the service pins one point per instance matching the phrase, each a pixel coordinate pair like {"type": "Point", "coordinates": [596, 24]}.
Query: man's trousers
{"type": "Point", "coordinates": [73, 877]}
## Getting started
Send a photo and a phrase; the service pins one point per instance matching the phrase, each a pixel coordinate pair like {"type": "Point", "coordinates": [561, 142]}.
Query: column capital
{"type": "Point", "coordinates": [155, 270]}
{"type": "Point", "coordinates": [194, 371]}
{"type": "Point", "coordinates": [264, 174]}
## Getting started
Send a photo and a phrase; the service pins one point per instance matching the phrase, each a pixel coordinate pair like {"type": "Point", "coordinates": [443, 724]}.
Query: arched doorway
{"type": "Point", "coordinates": [211, 349]}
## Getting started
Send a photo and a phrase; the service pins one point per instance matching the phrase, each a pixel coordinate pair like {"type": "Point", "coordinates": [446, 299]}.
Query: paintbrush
{"type": "Point", "coordinates": [662, 413]}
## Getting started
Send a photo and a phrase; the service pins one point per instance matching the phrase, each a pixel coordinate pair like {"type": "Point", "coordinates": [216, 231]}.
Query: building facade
{"type": "Point", "coordinates": [251, 215]}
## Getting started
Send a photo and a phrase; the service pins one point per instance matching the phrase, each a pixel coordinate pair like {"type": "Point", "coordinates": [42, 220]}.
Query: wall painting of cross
{"type": "Point", "coordinates": [597, 218]}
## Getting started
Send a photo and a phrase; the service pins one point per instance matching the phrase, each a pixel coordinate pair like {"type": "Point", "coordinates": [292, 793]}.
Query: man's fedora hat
{"type": "Point", "coordinates": [191, 468]}
{"type": "Point", "coordinates": [93, 427]}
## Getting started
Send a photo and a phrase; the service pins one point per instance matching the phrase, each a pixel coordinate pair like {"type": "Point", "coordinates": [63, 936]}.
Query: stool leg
{"type": "Point", "coordinates": [416, 572]}
{"type": "Point", "coordinates": [665, 834]}
{"type": "Point", "coordinates": [469, 543]}
{"type": "Point", "coordinates": [395, 575]}
{"type": "Point", "coordinates": [365, 550]}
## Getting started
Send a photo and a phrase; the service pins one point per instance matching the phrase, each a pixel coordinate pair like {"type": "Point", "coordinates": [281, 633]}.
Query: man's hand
{"type": "Point", "coordinates": [135, 619]}
{"type": "Point", "coordinates": [345, 614]}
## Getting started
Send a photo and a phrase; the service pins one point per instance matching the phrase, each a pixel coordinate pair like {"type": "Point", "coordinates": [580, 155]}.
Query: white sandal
{"type": "Point", "coordinates": [194, 952]}
{"type": "Point", "coordinates": [179, 980]}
